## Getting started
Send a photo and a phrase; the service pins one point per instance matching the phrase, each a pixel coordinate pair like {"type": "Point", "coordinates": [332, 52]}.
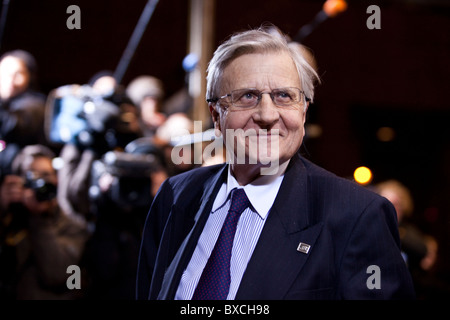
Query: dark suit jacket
{"type": "Point", "coordinates": [347, 227]}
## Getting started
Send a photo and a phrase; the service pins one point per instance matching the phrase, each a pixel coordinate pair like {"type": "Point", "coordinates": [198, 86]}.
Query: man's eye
{"type": "Point", "coordinates": [283, 95]}
{"type": "Point", "coordinates": [248, 96]}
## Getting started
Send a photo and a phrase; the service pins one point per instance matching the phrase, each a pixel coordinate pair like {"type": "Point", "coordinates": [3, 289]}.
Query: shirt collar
{"type": "Point", "coordinates": [261, 192]}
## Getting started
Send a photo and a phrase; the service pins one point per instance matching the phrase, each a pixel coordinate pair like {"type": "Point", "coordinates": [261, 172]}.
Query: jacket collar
{"type": "Point", "coordinates": [175, 270]}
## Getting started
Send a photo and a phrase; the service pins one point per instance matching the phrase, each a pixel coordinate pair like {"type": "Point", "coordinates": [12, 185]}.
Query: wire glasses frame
{"type": "Point", "coordinates": [248, 98]}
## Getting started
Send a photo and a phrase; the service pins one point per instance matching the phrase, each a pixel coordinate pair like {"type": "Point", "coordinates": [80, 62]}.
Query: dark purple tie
{"type": "Point", "coordinates": [214, 283]}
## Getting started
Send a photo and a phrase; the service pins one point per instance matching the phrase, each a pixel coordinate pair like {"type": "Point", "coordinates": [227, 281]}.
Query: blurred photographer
{"type": "Point", "coordinates": [38, 241]}
{"type": "Point", "coordinates": [22, 107]}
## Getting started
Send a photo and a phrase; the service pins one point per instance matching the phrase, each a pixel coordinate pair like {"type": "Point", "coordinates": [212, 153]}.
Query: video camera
{"type": "Point", "coordinates": [129, 176]}
{"type": "Point", "coordinates": [77, 114]}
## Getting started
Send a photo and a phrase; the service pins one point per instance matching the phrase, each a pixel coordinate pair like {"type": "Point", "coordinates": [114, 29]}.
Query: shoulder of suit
{"type": "Point", "coordinates": [336, 197]}
{"type": "Point", "coordinates": [320, 175]}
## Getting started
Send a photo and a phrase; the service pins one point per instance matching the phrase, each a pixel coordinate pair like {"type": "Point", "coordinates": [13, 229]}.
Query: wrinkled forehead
{"type": "Point", "coordinates": [260, 71]}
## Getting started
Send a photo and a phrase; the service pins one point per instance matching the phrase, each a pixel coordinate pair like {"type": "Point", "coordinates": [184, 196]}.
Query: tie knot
{"type": "Point", "coordinates": [239, 201]}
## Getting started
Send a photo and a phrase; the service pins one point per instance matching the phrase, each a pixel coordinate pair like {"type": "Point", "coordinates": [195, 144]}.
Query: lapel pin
{"type": "Point", "coordinates": [303, 247]}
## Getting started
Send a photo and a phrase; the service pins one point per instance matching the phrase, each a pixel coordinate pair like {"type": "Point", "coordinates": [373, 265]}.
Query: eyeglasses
{"type": "Point", "coordinates": [244, 99]}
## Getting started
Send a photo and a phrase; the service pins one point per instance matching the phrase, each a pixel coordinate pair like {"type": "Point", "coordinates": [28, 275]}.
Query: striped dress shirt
{"type": "Point", "coordinates": [261, 194]}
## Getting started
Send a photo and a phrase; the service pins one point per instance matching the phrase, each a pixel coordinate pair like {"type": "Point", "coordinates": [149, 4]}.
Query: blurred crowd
{"type": "Point", "coordinates": [79, 168]}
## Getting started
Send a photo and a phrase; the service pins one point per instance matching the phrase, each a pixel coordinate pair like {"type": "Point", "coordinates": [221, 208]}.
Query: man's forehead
{"type": "Point", "coordinates": [258, 69]}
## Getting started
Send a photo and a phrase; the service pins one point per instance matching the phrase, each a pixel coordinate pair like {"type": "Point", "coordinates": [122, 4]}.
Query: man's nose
{"type": "Point", "coordinates": [267, 113]}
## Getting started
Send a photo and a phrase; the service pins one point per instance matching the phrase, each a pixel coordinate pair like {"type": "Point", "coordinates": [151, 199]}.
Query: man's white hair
{"type": "Point", "coordinates": [261, 40]}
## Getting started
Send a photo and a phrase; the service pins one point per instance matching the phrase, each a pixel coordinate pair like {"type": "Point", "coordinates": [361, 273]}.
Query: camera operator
{"type": "Point", "coordinates": [115, 214]}
{"type": "Point", "coordinates": [38, 241]}
{"type": "Point", "coordinates": [123, 186]}
{"type": "Point", "coordinates": [109, 121]}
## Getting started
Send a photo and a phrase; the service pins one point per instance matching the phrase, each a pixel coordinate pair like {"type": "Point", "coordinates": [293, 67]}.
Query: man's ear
{"type": "Point", "coordinates": [215, 118]}
{"type": "Point", "coordinates": [304, 112]}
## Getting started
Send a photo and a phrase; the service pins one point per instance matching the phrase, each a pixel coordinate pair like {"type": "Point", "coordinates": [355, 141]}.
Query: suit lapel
{"type": "Point", "coordinates": [288, 224]}
{"type": "Point", "coordinates": [175, 270]}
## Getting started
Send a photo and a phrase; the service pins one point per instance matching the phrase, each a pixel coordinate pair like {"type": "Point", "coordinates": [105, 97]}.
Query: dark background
{"type": "Point", "coordinates": [398, 76]}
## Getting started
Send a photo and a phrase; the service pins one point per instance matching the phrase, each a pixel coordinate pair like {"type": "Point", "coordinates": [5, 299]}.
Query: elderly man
{"type": "Point", "coordinates": [270, 224]}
